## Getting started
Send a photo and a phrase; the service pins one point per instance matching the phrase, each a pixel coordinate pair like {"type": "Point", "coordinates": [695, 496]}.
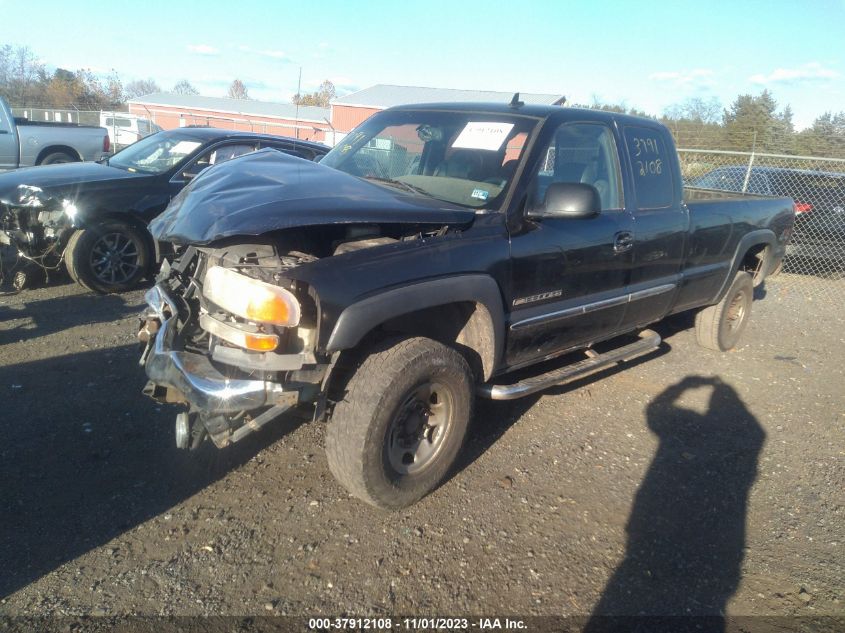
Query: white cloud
{"type": "Point", "coordinates": [700, 76]}
{"type": "Point", "coordinates": [808, 72]}
{"type": "Point", "coordinates": [202, 49]}
{"type": "Point", "coordinates": [272, 54]}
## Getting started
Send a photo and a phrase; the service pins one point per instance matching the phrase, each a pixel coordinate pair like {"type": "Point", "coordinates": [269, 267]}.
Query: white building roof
{"type": "Point", "coordinates": [385, 96]}
{"type": "Point", "coordinates": [244, 107]}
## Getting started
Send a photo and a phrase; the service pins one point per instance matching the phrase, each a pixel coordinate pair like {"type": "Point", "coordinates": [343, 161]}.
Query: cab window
{"type": "Point", "coordinates": [583, 153]}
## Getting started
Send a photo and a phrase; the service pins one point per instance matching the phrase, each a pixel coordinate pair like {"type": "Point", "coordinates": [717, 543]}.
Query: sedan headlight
{"type": "Point", "coordinates": [251, 299]}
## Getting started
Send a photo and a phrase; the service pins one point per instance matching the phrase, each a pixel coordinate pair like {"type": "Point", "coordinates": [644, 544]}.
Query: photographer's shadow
{"type": "Point", "coordinates": [686, 531]}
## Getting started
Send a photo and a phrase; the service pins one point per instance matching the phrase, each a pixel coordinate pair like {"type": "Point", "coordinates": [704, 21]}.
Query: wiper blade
{"type": "Point", "coordinates": [398, 184]}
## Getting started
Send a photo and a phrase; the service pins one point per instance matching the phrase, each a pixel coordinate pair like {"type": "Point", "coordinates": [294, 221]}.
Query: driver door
{"type": "Point", "coordinates": [569, 276]}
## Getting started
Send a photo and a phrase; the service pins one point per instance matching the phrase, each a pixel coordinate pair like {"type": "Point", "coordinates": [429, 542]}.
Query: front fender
{"type": "Point", "coordinates": [360, 318]}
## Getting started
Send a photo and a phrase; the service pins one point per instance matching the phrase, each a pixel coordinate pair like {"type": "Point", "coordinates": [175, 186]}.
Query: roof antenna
{"type": "Point", "coordinates": [515, 102]}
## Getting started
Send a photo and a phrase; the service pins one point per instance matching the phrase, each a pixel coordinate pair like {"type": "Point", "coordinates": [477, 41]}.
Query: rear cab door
{"type": "Point", "coordinates": [661, 221]}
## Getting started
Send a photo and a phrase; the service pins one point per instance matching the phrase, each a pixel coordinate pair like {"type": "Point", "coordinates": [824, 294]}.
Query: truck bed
{"type": "Point", "coordinates": [22, 122]}
{"type": "Point", "coordinates": [692, 194]}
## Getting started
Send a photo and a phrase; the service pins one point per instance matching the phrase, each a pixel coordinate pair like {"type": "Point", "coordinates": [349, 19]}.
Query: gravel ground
{"type": "Point", "coordinates": [687, 482]}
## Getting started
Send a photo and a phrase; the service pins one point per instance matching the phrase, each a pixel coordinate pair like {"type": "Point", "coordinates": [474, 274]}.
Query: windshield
{"type": "Point", "coordinates": [155, 154]}
{"type": "Point", "coordinates": [464, 158]}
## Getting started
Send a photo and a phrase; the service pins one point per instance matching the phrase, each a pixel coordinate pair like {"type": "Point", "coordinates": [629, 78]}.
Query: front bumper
{"type": "Point", "coordinates": [193, 376]}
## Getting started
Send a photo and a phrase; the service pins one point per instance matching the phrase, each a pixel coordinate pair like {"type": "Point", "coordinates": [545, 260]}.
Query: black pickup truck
{"type": "Point", "coordinates": [433, 252]}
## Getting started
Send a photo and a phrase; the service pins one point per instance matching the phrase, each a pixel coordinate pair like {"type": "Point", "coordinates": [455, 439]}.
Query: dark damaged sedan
{"type": "Point", "coordinates": [92, 218]}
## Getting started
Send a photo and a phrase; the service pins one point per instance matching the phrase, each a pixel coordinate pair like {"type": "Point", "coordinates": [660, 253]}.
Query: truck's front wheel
{"type": "Point", "coordinates": [396, 433]}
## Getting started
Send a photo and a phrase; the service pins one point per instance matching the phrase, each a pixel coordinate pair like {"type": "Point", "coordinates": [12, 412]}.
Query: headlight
{"type": "Point", "coordinates": [249, 298]}
{"type": "Point", "coordinates": [254, 341]}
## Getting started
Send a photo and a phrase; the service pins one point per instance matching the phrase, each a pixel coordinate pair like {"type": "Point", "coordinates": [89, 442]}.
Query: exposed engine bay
{"type": "Point", "coordinates": [37, 227]}
{"type": "Point", "coordinates": [215, 296]}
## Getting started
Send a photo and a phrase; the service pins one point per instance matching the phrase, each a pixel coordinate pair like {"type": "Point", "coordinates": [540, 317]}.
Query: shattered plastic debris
{"type": "Point", "coordinates": [29, 196]}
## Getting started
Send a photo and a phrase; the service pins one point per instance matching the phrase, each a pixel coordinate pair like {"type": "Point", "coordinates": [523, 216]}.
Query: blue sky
{"type": "Point", "coordinates": [648, 55]}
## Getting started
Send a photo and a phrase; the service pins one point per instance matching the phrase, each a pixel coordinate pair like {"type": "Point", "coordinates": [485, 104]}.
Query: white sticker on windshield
{"type": "Point", "coordinates": [483, 135]}
{"type": "Point", "coordinates": [184, 147]}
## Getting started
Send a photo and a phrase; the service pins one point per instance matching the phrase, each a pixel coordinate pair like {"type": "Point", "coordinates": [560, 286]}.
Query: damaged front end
{"type": "Point", "coordinates": [270, 250]}
{"type": "Point", "coordinates": [37, 225]}
{"type": "Point", "coordinates": [228, 337]}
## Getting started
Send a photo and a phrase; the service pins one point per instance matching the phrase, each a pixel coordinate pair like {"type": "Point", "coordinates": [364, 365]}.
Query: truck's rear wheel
{"type": "Point", "coordinates": [56, 158]}
{"type": "Point", "coordinates": [109, 257]}
{"type": "Point", "coordinates": [397, 432]}
{"type": "Point", "coordinates": [719, 327]}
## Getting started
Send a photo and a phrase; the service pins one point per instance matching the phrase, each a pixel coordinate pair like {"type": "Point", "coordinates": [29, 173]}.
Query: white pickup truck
{"type": "Point", "coordinates": [27, 143]}
{"type": "Point", "coordinates": [124, 129]}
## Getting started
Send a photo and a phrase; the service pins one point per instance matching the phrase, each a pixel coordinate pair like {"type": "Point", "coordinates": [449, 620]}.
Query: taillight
{"type": "Point", "coordinates": [106, 143]}
{"type": "Point", "coordinates": [802, 207]}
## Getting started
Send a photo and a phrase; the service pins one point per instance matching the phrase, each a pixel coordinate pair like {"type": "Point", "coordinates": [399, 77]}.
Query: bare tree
{"type": "Point", "coordinates": [696, 109]}
{"type": "Point", "coordinates": [141, 87]}
{"type": "Point", "coordinates": [22, 72]}
{"type": "Point", "coordinates": [238, 90]}
{"type": "Point", "coordinates": [184, 87]}
{"type": "Point", "coordinates": [113, 90]}
{"type": "Point", "coordinates": [5, 68]}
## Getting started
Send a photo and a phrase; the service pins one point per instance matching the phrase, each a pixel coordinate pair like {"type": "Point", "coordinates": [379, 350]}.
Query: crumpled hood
{"type": "Point", "coordinates": [268, 190]}
{"type": "Point", "coordinates": [66, 177]}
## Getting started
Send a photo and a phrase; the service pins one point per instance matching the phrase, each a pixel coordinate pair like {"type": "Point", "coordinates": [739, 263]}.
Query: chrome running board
{"type": "Point", "coordinates": [649, 341]}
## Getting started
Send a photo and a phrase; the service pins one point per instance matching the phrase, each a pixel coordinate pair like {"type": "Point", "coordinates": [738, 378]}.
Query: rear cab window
{"type": "Point", "coordinates": [651, 165]}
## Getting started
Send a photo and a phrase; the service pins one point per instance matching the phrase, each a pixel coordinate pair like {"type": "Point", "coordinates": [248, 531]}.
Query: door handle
{"type": "Point", "coordinates": [623, 242]}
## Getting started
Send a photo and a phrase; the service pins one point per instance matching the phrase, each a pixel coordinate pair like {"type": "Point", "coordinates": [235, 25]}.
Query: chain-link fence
{"type": "Point", "coordinates": [815, 258]}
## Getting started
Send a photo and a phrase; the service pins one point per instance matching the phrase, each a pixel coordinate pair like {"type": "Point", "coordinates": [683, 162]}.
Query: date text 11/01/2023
{"type": "Point", "coordinates": [424, 623]}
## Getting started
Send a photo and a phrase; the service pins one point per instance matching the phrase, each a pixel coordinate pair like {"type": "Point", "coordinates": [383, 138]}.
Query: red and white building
{"type": "Point", "coordinates": [282, 119]}
{"type": "Point", "coordinates": [327, 125]}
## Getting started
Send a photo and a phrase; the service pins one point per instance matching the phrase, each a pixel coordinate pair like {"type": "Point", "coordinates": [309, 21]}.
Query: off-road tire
{"type": "Point", "coordinates": [719, 327]}
{"type": "Point", "coordinates": [78, 256]}
{"type": "Point", "coordinates": [56, 158]}
{"type": "Point", "coordinates": [358, 436]}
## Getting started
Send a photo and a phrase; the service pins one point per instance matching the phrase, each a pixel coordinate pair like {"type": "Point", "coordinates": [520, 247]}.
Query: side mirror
{"type": "Point", "coordinates": [568, 200]}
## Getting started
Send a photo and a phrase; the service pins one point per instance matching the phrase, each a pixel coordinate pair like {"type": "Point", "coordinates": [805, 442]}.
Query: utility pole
{"type": "Point", "coordinates": [298, 98]}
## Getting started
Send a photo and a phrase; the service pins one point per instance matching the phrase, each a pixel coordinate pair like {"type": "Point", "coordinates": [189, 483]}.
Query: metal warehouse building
{"type": "Point", "coordinates": [327, 125]}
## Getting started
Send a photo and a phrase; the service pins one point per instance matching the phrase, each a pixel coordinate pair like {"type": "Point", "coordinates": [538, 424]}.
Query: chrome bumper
{"type": "Point", "coordinates": [194, 376]}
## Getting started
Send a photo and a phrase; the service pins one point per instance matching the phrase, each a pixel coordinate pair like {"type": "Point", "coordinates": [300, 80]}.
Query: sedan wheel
{"type": "Point", "coordinates": [115, 258]}
{"type": "Point", "coordinates": [109, 257]}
